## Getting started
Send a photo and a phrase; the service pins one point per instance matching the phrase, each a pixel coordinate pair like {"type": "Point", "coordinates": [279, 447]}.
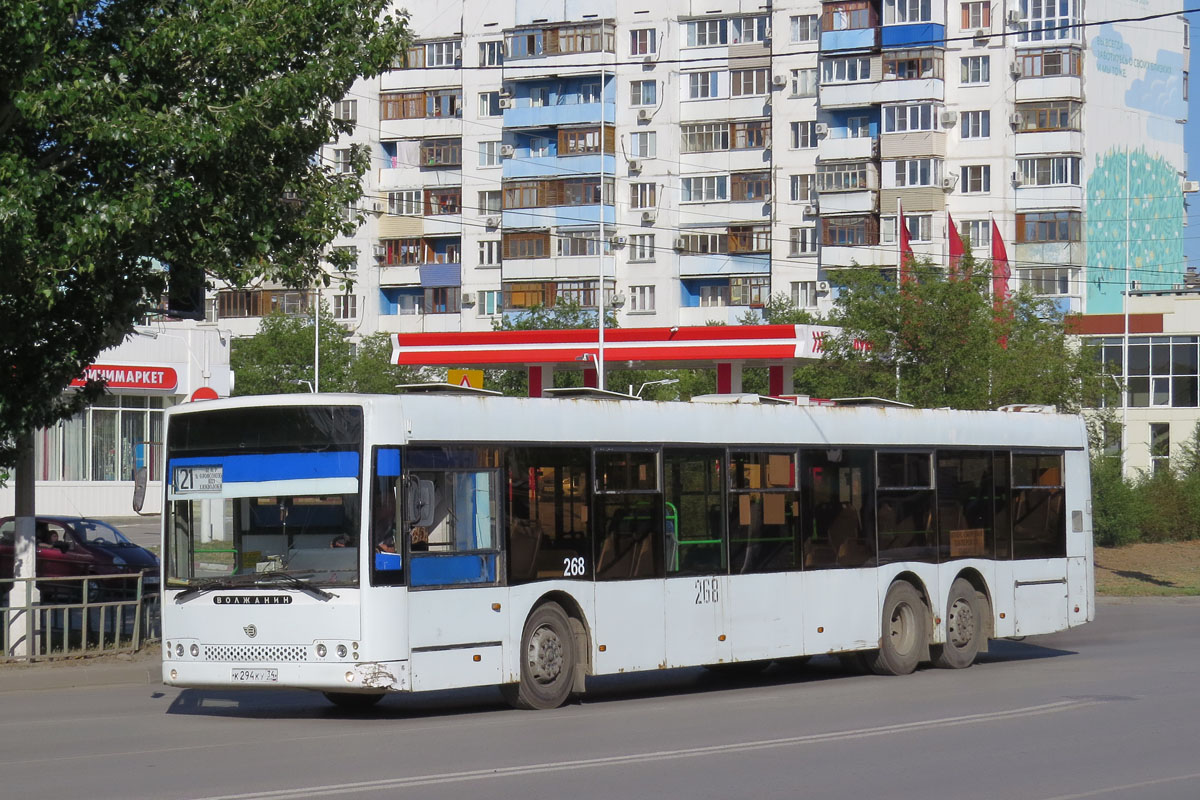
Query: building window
{"type": "Point", "coordinates": [806, 28]}
{"type": "Point", "coordinates": [976, 70]}
{"type": "Point", "coordinates": [849, 231]}
{"type": "Point", "coordinates": [750, 291]}
{"type": "Point", "coordinates": [804, 135]}
{"type": "Point", "coordinates": [847, 176]}
{"type": "Point", "coordinates": [441, 153]}
{"type": "Point", "coordinates": [1162, 370]}
{"type": "Point", "coordinates": [1048, 281]}
{"type": "Point", "coordinates": [491, 54]}
{"type": "Point", "coordinates": [641, 299]}
{"type": "Point", "coordinates": [704, 137]}
{"type": "Point", "coordinates": [488, 303]}
{"type": "Point", "coordinates": [977, 233]}
{"type": "Point", "coordinates": [526, 245]}
{"type": "Point", "coordinates": [345, 306]}
{"type": "Point", "coordinates": [746, 30]}
{"type": "Point", "coordinates": [912, 117]}
{"type": "Point", "coordinates": [912, 64]}
{"type": "Point", "coordinates": [750, 239]}
{"type": "Point", "coordinates": [1049, 20]}
{"type": "Point", "coordinates": [489, 154]}
{"type": "Point", "coordinates": [642, 144]}
{"type": "Point", "coordinates": [408, 203]}
{"type": "Point", "coordinates": [714, 296]}
{"type": "Point", "coordinates": [1049, 63]}
{"type": "Point", "coordinates": [705, 243]}
{"type": "Point", "coordinates": [489, 104]}
{"type": "Point", "coordinates": [858, 127]}
{"type": "Point", "coordinates": [703, 85]}
{"type": "Point", "coordinates": [442, 300]}
{"type": "Point", "coordinates": [748, 187]}
{"type": "Point", "coordinates": [804, 82]}
{"type": "Point", "coordinates": [584, 242]}
{"type": "Point", "coordinates": [918, 172]}
{"type": "Point", "coordinates": [853, 69]}
{"type": "Point", "coordinates": [1049, 171]}
{"type": "Point", "coordinates": [1050, 115]}
{"type": "Point", "coordinates": [539, 147]}
{"type": "Point", "coordinates": [749, 135]}
{"type": "Point", "coordinates": [976, 124]}
{"type": "Point", "coordinates": [643, 42]}
{"type": "Point", "coordinates": [920, 228]}
{"type": "Point", "coordinates": [804, 294]}
{"type": "Point", "coordinates": [582, 141]}
{"type": "Point", "coordinates": [803, 188]}
{"type": "Point", "coordinates": [642, 195]}
{"type": "Point", "coordinates": [341, 160]}
{"type": "Point", "coordinates": [643, 93]}
{"type": "Point", "coordinates": [901, 11]}
{"type": "Point", "coordinates": [706, 33]}
{"type": "Point", "coordinates": [346, 110]}
{"type": "Point", "coordinates": [641, 247]}
{"type": "Point", "coordinates": [802, 242]}
{"type": "Point", "coordinates": [489, 253]}
{"type": "Point", "coordinates": [443, 200]}
{"type": "Point", "coordinates": [1049, 226]}
{"type": "Point", "coordinates": [849, 15]}
{"type": "Point", "coordinates": [491, 202]}
{"type": "Point", "coordinates": [977, 15]}
{"type": "Point", "coordinates": [1160, 446]}
{"type": "Point", "coordinates": [704, 189]}
{"type": "Point", "coordinates": [747, 82]}
{"type": "Point", "coordinates": [443, 54]}
{"type": "Point", "coordinates": [977, 179]}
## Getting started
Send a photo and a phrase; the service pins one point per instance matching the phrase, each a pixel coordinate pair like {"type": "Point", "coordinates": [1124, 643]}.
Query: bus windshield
{"type": "Point", "coordinates": [253, 503]}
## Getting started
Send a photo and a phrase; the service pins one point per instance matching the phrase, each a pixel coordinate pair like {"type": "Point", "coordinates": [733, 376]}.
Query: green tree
{"type": "Point", "coordinates": [939, 341]}
{"type": "Point", "coordinates": [140, 141]}
{"type": "Point", "coordinates": [278, 359]}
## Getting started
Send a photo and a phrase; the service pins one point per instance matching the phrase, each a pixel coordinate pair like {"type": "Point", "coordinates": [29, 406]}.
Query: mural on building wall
{"type": "Point", "coordinates": [1134, 192]}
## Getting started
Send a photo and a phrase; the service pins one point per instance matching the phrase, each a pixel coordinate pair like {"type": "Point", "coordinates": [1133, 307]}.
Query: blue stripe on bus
{"type": "Point", "coordinates": [387, 462]}
{"type": "Point", "coordinates": [444, 570]}
{"type": "Point", "coordinates": [276, 466]}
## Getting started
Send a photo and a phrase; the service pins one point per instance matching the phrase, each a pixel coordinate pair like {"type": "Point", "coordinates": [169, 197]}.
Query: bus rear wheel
{"type": "Point", "coordinates": [353, 701]}
{"type": "Point", "coordinates": [548, 661]}
{"type": "Point", "coordinates": [964, 627]}
{"type": "Point", "coordinates": [905, 631]}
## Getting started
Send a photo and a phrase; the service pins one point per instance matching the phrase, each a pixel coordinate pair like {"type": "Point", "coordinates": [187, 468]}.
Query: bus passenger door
{"type": "Point", "coordinates": [696, 557]}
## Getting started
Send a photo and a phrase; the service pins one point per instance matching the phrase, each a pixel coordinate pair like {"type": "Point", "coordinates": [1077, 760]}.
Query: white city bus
{"type": "Point", "coordinates": [360, 545]}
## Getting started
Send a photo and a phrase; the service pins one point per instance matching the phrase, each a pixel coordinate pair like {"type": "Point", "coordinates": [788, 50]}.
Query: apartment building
{"type": "Point", "coordinates": [695, 158]}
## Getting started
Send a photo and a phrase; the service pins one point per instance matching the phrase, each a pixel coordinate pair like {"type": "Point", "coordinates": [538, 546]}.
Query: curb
{"type": "Point", "coordinates": [141, 669]}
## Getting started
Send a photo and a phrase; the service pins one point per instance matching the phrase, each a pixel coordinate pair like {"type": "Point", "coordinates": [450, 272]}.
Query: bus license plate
{"type": "Point", "coordinates": [255, 675]}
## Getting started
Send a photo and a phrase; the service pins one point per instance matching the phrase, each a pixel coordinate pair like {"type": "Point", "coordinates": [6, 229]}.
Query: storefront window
{"type": "Point", "coordinates": [107, 442]}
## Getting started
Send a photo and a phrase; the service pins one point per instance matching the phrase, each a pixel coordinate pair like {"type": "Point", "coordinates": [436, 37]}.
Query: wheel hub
{"type": "Point", "coordinates": [902, 629]}
{"type": "Point", "coordinates": [961, 625]}
{"type": "Point", "coordinates": [545, 655]}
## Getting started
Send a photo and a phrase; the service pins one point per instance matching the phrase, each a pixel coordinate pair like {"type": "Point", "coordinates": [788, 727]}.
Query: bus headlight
{"type": "Point", "coordinates": [179, 650]}
{"type": "Point", "coordinates": [341, 651]}
{"type": "Point", "coordinates": [321, 651]}
{"type": "Point", "coordinates": [195, 651]}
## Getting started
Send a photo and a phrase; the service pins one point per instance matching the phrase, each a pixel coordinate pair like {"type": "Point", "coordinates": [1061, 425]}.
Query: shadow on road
{"type": "Point", "coordinates": [296, 704]}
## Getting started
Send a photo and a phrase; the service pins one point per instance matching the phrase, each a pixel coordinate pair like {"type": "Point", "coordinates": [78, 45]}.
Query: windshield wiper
{"type": "Point", "coordinates": [208, 585]}
{"type": "Point", "coordinates": [295, 582]}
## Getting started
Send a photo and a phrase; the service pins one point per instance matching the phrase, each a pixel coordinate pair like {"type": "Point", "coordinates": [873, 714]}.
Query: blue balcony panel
{"type": "Point", "coordinates": [436, 275]}
{"type": "Point", "coordinates": [568, 114]}
{"type": "Point", "coordinates": [551, 166]}
{"type": "Point", "coordinates": [556, 216]}
{"type": "Point", "coordinates": [857, 39]}
{"type": "Point", "coordinates": [724, 264]}
{"type": "Point", "coordinates": [926, 34]}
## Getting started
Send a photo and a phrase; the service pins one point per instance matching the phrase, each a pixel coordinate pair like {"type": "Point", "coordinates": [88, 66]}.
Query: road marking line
{"type": "Point", "coordinates": [660, 755]}
{"type": "Point", "coordinates": [1139, 785]}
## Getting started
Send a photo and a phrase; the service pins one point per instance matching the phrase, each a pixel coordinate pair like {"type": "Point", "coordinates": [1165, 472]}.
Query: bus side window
{"type": "Point", "coordinates": [387, 564]}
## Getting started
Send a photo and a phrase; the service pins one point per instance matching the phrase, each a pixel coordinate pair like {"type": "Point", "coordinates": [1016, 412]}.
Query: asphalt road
{"type": "Point", "coordinates": [1111, 710]}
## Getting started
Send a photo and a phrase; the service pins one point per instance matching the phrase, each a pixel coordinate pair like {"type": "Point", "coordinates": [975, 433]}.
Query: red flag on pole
{"type": "Point", "coordinates": [956, 246]}
{"type": "Point", "coordinates": [1000, 275]}
{"type": "Point", "coordinates": [906, 251]}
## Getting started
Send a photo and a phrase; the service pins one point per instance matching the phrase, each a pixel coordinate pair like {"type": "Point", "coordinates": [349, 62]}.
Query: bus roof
{"type": "Point", "coordinates": [430, 418]}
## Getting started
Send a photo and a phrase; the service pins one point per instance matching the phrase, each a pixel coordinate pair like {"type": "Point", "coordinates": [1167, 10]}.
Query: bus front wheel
{"type": "Point", "coordinates": [548, 660]}
{"type": "Point", "coordinates": [964, 627]}
{"type": "Point", "coordinates": [905, 631]}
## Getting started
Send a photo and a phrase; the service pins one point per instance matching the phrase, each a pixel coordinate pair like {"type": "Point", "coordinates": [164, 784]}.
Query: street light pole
{"type": "Point", "coordinates": [317, 341]}
{"type": "Point", "coordinates": [600, 247]}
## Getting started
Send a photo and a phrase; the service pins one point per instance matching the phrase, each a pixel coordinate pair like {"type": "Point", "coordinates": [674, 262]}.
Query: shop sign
{"type": "Point", "coordinates": [126, 377]}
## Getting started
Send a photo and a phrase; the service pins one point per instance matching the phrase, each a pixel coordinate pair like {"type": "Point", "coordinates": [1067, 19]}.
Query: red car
{"type": "Point", "coordinates": [74, 546]}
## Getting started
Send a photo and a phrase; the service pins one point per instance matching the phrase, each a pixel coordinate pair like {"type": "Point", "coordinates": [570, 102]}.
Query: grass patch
{"type": "Point", "coordinates": [1137, 570]}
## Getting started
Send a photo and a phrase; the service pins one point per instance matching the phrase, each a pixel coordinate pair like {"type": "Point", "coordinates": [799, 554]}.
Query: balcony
{"type": "Point", "coordinates": [918, 144]}
{"type": "Point", "coordinates": [557, 268]}
{"type": "Point", "coordinates": [709, 264]}
{"type": "Point", "coordinates": [406, 275]}
{"type": "Point", "coordinates": [879, 255]}
{"type": "Point", "coordinates": [1055, 87]}
{"type": "Point", "coordinates": [847, 148]}
{"type": "Point", "coordinates": [904, 90]}
{"type": "Point", "coordinates": [527, 116]}
{"type": "Point", "coordinates": [858, 202]}
{"type": "Point", "coordinates": [856, 39]}
{"type": "Point", "coordinates": [1036, 142]}
{"type": "Point", "coordinates": [913, 35]}
{"type": "Point", "coordinates": [1031, 198]}
{"type": "Point", "coordinates": [554, 216]}
{"type": "Point", "coordinates": [559, 166]}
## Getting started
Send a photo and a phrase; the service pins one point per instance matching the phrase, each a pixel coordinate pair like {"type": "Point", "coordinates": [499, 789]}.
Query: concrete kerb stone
{"type": "Point", "coordinates": [143, 668]}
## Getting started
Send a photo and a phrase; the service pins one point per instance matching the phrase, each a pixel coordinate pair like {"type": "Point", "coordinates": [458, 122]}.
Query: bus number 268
{"type": "Point", "coordinates": [574, 567]}
{"type": "Point", "coordinates": [706, 591]}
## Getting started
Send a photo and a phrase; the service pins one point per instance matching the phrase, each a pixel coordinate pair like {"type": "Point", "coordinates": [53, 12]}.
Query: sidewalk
{"type": "Point", "coordinates": [133, 669]}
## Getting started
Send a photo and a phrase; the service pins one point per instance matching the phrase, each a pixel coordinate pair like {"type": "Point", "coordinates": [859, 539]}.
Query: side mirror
{"type": "Point", "coordinates": [419, 501]}
{"type": "Point", "coordinates": [139, 489]}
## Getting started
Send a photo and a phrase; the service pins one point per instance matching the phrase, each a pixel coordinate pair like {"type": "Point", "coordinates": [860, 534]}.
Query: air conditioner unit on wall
{"type": "Point", "coordinates": [1015, 118]}
{"type": "Point", "coordinates": [649, 216]}
{"type": "Point", "coordinates": [1018, 179]}
{"type": "Point", "coordinates": [779, 81]}
{"type": "Point", "coordinates": [680, 243]}
{"type": "Point", "coordinates": [949, 118]}
{"type": "Point", "coordinates": [809, 211]}
{"type": "Point", "coordinates": [635, 165]}
{"type": "Point", "coordinates": [380, 251]}
{"type": "Point", "coordinates": [468, 299]}
{"type": "Point", "coordinates": [619, 241]}
{"type": "Point", "coordinates": [1014, 17]}
{"type": "Point", "coordinates": [1191, 186]}
{"type": "Point", "coordinates": [949, 182]}
{"type": "Point", "coordinates": [505, 92]}
{"type": "Point", "coordinates": [505, 102]}
{"type": "Point", "coordinates": [644, 114]}
{"type": "Point", "coordinates": [822, 287]}
{"type": "Point", "coordinates": [492, 222]}
{"type": "Point", "coordinates": [507, 150]}
{"type": "Point", "coordinates": [821, 128]}
{"type": "Point", "coordinates": [1016, 69]}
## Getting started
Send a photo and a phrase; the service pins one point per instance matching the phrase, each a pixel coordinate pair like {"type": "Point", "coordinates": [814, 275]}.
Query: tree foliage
{"type": "Point", "coordinates": [940, 341]}
{"type": "Point", "coordinates": [140, 140]}
{"type": "Point", "coordinates": [279, 359]}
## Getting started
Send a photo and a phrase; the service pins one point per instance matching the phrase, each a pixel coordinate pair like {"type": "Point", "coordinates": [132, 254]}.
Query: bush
{"type": "Point", "coordinates": [1118, 506]}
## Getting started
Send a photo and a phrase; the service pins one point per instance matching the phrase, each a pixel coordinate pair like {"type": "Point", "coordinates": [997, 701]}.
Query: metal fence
{"type": "Point", "coordinates": [76, 616]}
